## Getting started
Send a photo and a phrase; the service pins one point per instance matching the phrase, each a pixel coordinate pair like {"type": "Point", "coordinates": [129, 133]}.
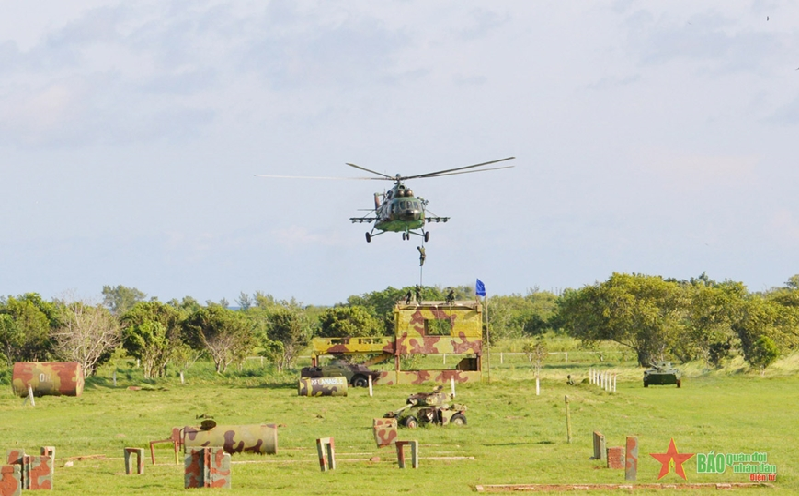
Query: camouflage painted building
{"type": "Point", "coordinates": [427, 328]}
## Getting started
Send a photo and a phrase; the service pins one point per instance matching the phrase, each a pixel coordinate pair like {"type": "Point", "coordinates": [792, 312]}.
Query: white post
{"type": "Point", "coordinates": [114, 377]}
{"type": "Point", "coordinates": [501, 358]}
{"type": "Point", "coordinates": [444, 356]}
{"type": "Point", "coordinates": [182, 381]}
{"type": "Point", "coordinates": [370, 385]}
{"type": "Point", "coordinates": [614, 383]}
{"type": "Point", "coordinates": [589, 375]}
{"type": "Point", "coordinates": [452, 385]}
{"type": "Point", "coordinates": [30, 396]}
{"type": "Point", "coordinates": [537, 386]}
{"type": "Point", "coordinates": [567, 357]}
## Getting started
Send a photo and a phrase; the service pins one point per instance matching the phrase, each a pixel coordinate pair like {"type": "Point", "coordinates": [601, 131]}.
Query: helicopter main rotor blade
{"type": "Point", "coordinates": [320, 177]}
{"type": "Point", "coordinates": [446, 171]}
{"type": "Point", "coordinates": [384, 176]}
{"type": "Point", "coordinates": [473, 171]}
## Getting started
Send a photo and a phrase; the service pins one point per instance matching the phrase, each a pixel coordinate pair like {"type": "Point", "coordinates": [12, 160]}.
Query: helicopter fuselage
{"type": "Point", "coordinates": [399, 211]}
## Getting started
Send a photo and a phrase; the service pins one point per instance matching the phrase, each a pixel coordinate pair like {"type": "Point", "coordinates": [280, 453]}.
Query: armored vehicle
{"type": "Point", "coordinates": [661, 373]}
{"type": "Point", "coordinates": [357, 374]}
{"type": "Point", "coordinates": [429, 408]}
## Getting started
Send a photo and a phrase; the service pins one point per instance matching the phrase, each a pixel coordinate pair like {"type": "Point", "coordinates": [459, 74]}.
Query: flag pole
{"type": "Point", "coordinates": [488, 340]}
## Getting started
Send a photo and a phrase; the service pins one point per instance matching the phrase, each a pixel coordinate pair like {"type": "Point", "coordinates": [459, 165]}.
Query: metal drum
{"type": "Point", "coordinates": [55, 378]}
{"type": "Point", "coordinates": [322, 386]}
{"type": "Point", "coordinates": [255, 438]}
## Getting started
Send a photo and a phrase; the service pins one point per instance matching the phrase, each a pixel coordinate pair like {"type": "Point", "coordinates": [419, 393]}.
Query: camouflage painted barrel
{"type": "Point", "coordinates": [322, 386]}
{"type": "Point", "coordinates": [255, 438]}
{"type": "Point", "coordinates": [56, 378]}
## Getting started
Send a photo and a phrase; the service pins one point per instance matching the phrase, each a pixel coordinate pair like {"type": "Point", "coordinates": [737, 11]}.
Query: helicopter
{"type": "Point", "coordinates": [399, 209]}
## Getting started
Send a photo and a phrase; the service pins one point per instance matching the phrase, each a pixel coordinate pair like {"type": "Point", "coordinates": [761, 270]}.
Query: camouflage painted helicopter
{"type": "Point", "coordinates": [398, 209]}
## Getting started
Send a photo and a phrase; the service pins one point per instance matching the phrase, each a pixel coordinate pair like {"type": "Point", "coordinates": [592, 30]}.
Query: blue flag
{"type": "Point", "coordinates": [480, 288]}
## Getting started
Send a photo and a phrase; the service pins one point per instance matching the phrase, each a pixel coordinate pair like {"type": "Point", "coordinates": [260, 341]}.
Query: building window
{"type": "Point", "coordinates": [438, 327]}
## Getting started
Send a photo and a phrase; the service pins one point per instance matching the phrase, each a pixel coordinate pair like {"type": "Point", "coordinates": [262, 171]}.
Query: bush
{"type": "Point", "coordinates": [764, 352]}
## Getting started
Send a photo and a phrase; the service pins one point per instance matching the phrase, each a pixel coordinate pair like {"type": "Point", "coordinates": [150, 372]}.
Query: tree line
{"type": "Point", "coordinates": [179, 332]}
{"type": "Point", "coordinates": [656, 318]}
{"type": "Point", "coordinates": [695, 319]}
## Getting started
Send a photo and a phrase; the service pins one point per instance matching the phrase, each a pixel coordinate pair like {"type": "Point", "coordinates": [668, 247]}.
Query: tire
{"type": "Point", "coordinates": [427, 236]}
{"type": "Point", "coordinates": [368, 238]}
{"type": "Point", "coordinates": [458, 419]}
{"type": "Point", "coordinates": [411, 422]}
{"type": "Point", "coordinates": [359, 381]}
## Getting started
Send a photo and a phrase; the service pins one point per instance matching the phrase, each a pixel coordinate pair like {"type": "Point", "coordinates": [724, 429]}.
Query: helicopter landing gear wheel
{"type": "Point", "coordinates": [427, 236]}
{"type": "Point", "coordinates": [368, 238]}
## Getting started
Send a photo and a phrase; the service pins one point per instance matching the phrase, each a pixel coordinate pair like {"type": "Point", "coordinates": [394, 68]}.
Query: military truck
{"type": "Point", "coordinates": [429, 408]}
{"type": "Point", "coordinates": [357, 374]}
{"type": "Point", "coordinates": [661, 373]}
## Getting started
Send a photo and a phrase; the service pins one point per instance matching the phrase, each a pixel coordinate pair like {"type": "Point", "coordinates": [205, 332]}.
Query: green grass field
{"type": "Point", "coordinates": [514, 436]}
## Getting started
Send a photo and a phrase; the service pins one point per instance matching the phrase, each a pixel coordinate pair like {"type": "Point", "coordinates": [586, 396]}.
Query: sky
{"type": "Point", "coordinates": [650, 137]}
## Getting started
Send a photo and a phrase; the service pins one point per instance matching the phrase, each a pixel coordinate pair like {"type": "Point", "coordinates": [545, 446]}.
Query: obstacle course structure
{"type": "Point", "coordinates": [253, 438]}
{"type": "Point", "coordinates": [207, 467]}
{"type": "Point", "coordinates": [26, 472]}
{"type": "Point", "coordinates": [426, 328]}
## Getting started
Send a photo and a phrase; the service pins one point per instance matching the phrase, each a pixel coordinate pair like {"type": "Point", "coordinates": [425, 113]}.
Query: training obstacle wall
{"type": "Point", "coordinates": [207, 467]}
{"type": "Point", "coordinates": [426, 328]}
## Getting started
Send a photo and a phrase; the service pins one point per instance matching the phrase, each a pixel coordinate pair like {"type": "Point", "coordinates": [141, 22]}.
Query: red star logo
{"type": "Point", "coordinates": [669, 458]}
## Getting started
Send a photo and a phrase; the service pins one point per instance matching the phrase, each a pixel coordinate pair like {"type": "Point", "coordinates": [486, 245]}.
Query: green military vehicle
{"type": "Point", "coordinates": [661, 373]}
{"type": "Point", "coordinates": [357, 374]}
{"type": "Point", "coordinates": [429, 408]}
